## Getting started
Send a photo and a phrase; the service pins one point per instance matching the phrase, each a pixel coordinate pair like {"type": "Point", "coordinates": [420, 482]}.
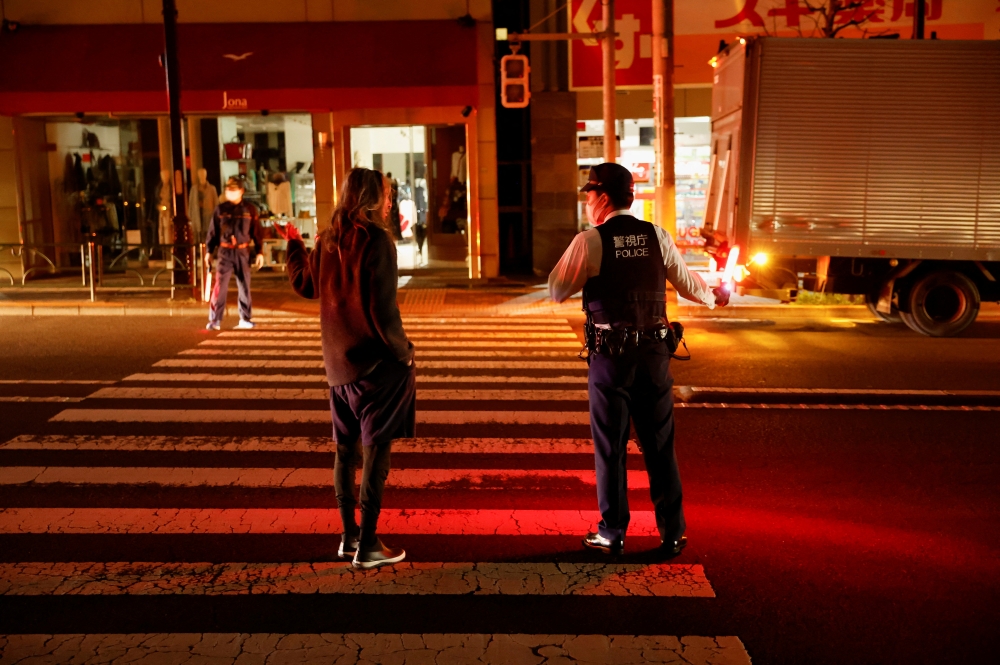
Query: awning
{"type": "Point", "coordinates": [238, 67]}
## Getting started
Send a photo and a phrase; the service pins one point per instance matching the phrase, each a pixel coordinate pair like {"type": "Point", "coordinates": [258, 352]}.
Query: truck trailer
{"type": "Point", "coordinates": [860, 166]}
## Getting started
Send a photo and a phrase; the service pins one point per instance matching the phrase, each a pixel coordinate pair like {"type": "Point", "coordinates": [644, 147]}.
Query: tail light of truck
{"type": "Point", "coordinates": [729, 274]}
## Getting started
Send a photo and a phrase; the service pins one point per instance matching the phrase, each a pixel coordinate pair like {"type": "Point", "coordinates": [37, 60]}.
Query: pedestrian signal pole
{"type": "Point", "coordinates": [663, 114]}
{"type": "Point", "coordinates": [182, 226]}
{"type": "Point", "coordinates": [608, 51]}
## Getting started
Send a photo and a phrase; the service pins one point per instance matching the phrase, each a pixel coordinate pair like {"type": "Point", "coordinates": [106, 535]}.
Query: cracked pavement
{"type": "Point", "coordinates": [407, 578]}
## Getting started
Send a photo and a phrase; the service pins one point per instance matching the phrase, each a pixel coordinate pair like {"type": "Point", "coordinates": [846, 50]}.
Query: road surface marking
{"type": "Point", "coordinates": [53, 382]}
{"type": "Point", "coordinates": [199, 393]}
{"type": "Point", "coordinates": [441, 320]}
{"type": "Point", "coordinates": [662, 580]}
{"type": "Point", "coordinates": [318, 364]}
{"type": "Point", "coordinates": [308, 378]}
{"type": "Point", "coordinates": [227, 378]}
{"type": "Point", "coordinates": [483, 649]}
{"type": "Point", "coordinates": [36, 398]}
{"type": "Point", "coordinates": [300, 444]}
{"type": "Point", "coordinates": [263, 334]}
{"type": "Point", "coordinates": [691, 391]}
{"type": "Point", "coordinates": [836, 407]}
{"type": "Point", "coordinates": [421, 353]}
{"type": "Point", "coordinates": [408, 478]}
{"type": "Point", "coordinates": [283, 364]}
{"type": "Point", "coordinates": [309, 416]}
{"type": "Point", "coordinates": [411, 521]}
{"type": "Point", "coordinates": [421, 327]}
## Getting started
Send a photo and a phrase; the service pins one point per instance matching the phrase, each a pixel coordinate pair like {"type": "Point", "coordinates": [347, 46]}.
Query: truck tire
{"type": "Point", "coordinates": [942, 304]}
{"type": "Point", "coordinates": [892, 317]}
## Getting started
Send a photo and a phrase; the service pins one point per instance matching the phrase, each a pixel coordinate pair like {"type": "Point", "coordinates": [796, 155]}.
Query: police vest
{"type": "Point", "coordinates": [630, 290]}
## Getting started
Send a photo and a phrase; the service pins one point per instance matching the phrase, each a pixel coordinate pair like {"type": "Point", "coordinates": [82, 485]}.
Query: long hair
{"type": "Point", "coordinates": [360, 203]}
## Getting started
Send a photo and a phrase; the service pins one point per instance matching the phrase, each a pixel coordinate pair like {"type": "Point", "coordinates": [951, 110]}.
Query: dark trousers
{"type": "Point", "coordinates": [636, 385]}
{"type": "Point", "coordinates": [374, 410]}
{"type": "Point", "coordinates": [374, 471]}
{"type": "Point", "coordinates": [230, 262]}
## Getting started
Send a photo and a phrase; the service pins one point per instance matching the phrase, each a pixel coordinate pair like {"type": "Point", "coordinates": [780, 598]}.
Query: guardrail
{"type": "Point", "coordinates": [97, 258]}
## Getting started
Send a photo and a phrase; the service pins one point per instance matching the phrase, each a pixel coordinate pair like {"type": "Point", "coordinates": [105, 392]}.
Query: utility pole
{"type": "Point", "coordinates": [182, 225]}
{"type": "Point", "coordinates": [919, 13]}
{"type": "Point", "coordinates": [608, 51]}
{"type": "Point", "coordinates": [663, 114]}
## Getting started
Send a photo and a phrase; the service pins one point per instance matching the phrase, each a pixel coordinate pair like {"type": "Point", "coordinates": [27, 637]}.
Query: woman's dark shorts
{"type": "Point", "coordinates": [378, 407]}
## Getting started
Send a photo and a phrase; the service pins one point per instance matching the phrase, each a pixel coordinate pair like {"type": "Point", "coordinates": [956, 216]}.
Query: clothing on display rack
{"type": "Point", "coordinates": [279, 196]}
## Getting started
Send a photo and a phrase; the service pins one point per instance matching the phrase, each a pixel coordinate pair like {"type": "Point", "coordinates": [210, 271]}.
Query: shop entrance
{"type": "Point", "coordinates": [429, 169]}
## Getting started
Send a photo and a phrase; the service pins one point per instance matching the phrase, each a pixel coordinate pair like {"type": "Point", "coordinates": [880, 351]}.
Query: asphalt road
{"type": "Point", "coordinates": [866, 534]}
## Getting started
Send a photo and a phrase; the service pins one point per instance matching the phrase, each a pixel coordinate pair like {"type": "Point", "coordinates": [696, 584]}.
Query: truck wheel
{"type": "Point", "coordinates": [942, 304]}
{"type": "Point", "coordinates": [892, 317]}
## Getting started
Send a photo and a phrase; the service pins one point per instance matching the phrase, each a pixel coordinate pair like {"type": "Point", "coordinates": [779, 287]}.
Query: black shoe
{"type": "Point", "coordinates": [671, 548]}
{"type": "Point", "coordinates": [348, 546]}
{"type": "Point", "coordinates": [596, 541]}
{"type": "Point", "coordinates": [377, 555]}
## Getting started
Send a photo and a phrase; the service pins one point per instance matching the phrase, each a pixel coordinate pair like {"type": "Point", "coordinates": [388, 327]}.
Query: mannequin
{"type": "Point", "coordinates": [204, 198]}
{"type": "Point", "coordinates": [166, 205]}
{"type": "Point", "coordinates": [279, 195]}
{"type": "Point", "coordinates": [458, 164]}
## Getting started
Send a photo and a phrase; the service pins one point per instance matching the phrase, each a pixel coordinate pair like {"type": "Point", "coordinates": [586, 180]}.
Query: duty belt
{"type": "Point", "coordinates": [615, 341]}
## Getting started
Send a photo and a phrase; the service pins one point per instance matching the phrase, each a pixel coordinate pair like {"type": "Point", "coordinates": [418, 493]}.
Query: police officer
{"type": "Point", "coordinates": [623, 264]}
{"type": "Point", "coordinates": [234, 225]}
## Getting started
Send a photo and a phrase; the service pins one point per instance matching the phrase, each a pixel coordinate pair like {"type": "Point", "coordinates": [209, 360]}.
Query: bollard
{"type": "Point", "coordinates": [90, 256]}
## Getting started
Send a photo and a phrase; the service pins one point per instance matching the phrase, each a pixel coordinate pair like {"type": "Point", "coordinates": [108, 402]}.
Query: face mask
{"type": "Point", "coordinates": [592, 212]}
{"type": "Point", "coordinates": [234, 195]}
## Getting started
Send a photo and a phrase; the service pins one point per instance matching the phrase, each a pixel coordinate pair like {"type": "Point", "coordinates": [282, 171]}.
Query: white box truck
{"type": "Point", "coordinates": [860, 166]}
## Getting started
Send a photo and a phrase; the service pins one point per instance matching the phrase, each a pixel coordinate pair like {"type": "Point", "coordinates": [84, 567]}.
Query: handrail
{"type": "Point", "coordinates": [92, 265]}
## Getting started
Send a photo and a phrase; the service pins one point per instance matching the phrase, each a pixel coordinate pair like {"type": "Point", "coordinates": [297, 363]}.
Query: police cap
{"type": "Point", "coordinates": [612, 179]}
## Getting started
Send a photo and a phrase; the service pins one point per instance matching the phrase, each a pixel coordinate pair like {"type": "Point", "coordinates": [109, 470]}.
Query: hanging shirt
{"type": "Point", "coordinates": [279, 198]}
{"type": "Point", "coordinates": [582, 260]}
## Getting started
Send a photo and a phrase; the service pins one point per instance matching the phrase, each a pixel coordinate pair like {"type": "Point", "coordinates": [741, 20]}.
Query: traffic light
{"type": "Point", "coordinates": [514, 92]}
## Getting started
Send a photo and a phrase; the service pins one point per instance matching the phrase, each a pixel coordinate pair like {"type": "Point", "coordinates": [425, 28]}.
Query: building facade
{"type": "Point", "coordinates": [272, 92]}
{"type": "Point", "coordinates": [291, 95]}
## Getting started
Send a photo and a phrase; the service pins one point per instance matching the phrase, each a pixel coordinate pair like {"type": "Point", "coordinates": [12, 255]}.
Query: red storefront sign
{"type": "Point", "coordinates": [633, 48]}
{"type": "Point", "coordinates": [244, 67]}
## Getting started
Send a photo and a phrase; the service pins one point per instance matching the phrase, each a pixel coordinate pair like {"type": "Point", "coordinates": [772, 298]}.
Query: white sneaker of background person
{"type": "Point", "coordinates": [244, 325]}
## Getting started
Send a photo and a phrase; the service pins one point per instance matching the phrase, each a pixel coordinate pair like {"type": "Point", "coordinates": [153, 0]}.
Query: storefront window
{"type": "Point", "coordinates": [100, 189]}
{"type": "Point", "coordinates": [637, 153]}
{"type": "Point", "coordinates": [273, 154]}
{"type": "Point", "coordinates": [430, 199]}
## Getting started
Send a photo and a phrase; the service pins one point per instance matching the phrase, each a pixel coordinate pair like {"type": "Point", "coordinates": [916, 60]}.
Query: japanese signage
{"type": "Point", "coordinates": [631, 246]}
{"type": "Point", "coordinates": [700, 25]}
{"type": "Point", "coordinates": [592, 147]}
{"type": "Point", "coordinates": [633, 48]}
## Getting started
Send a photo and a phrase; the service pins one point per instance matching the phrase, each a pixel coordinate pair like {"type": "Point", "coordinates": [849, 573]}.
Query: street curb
{"type": "Point", "coordinates": [774, 312]}
{"type": "Point", "coordinates": [121, 309]}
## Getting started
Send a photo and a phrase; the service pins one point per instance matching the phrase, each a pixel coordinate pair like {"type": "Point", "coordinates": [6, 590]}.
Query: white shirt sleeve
{"type": "Point", "coordinates": [689, 285]}
{"type": "Point", "coordinates": [580, 261]}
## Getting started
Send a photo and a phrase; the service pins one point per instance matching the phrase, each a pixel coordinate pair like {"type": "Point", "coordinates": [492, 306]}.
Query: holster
{"type": "Point", "coordinates": [616, 341]}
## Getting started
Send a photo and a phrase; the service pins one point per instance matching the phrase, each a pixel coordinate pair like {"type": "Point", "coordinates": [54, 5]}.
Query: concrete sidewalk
{"type": "Point", "coordinates": [427, 294]}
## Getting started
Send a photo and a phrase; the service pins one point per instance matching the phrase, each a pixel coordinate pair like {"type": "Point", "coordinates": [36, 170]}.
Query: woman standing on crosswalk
{"type": "Point", "coordinates": [368, 358]}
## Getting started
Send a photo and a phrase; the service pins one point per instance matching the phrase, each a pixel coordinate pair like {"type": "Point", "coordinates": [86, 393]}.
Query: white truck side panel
{"type": "Point", "coordinates": [871, 148]}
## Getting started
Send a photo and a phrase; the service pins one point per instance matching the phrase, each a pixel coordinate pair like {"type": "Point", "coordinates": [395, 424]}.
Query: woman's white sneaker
{"type": "Point", "coordinates": [377, 555]}
{"type": "Point", "coordinates": [244, 325]}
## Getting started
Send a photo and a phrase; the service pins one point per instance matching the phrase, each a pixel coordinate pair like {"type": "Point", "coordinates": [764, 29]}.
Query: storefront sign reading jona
{"type": "Point", "coordinates": [229, 103]}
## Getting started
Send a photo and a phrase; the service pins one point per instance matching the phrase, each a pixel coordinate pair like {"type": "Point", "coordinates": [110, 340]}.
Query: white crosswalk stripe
{"type": "Point", "coordinates": [476, 375]}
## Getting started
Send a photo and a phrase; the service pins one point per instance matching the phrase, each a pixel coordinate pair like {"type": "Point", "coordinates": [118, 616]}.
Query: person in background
{"type": "Point", "coordinates": [236, 233]}
{"type": "Point", "coordinates": [368, 358]}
